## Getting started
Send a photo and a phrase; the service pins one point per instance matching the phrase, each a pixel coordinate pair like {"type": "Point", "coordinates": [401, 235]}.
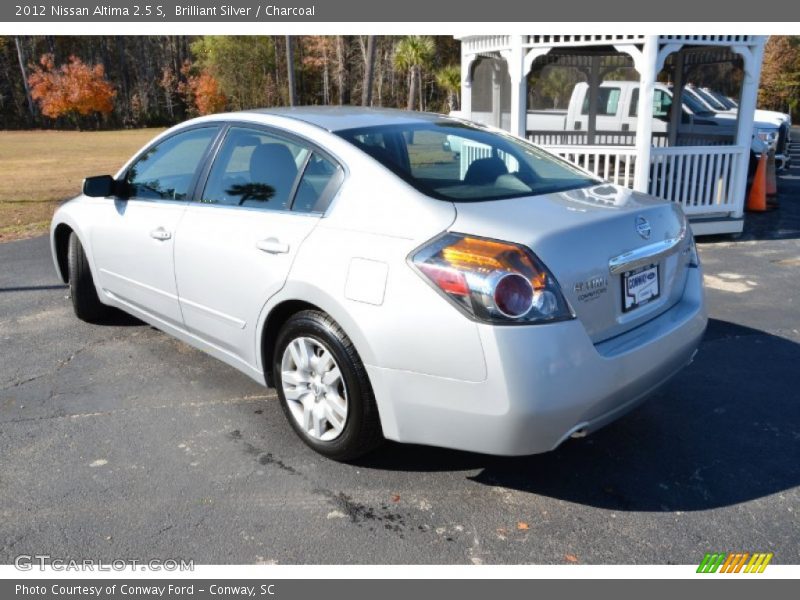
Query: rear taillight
{"type": "Point", "coordinates": [493, 281]}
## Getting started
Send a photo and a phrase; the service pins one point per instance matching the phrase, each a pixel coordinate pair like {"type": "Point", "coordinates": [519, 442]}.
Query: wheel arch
{"type": "Point", "coordinates": [293, 298]}
{"type": "Point", "coordinates": [275, 320]}
{"type": "Point", "coordinates": [60, 247]}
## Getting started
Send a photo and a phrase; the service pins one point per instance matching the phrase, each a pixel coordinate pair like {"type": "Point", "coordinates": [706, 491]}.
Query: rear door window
{"type": "Point", "coordinates": [255, 169]}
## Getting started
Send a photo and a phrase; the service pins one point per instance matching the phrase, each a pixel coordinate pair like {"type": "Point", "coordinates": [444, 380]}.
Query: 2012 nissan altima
{"type": "Point", "coordinates": [495, 299]}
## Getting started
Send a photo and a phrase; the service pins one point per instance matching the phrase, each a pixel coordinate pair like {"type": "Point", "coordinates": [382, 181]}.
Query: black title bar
{"type": "Point", "coordinates": [371, 11]}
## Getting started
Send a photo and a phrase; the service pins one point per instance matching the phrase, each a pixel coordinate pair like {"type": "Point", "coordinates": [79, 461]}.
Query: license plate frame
{"type": "Point", "coordinates": [640, 286]}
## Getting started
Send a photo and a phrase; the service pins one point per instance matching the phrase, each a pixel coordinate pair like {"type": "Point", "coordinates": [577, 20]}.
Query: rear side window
{"type": "Point", "coordinates": [254, 169]}
{"type": "Point", "coordinates": [319, 184]}
{"type": "Point", "coordinates": [166, 170]}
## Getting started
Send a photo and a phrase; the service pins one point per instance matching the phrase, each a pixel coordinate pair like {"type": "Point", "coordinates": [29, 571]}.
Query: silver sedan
{"type": "Point", "coordinates": [393, 274]}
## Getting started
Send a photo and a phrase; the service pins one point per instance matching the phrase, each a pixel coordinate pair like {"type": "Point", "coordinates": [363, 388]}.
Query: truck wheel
{"type": "Point", "coordinates": [324, 389]}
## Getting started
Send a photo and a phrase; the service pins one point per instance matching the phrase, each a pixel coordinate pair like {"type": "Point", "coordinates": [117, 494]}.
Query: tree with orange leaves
{"type": "Point", "coordinates": [74, 88]}
{"type": "Point", "coordinates": [202, 91]}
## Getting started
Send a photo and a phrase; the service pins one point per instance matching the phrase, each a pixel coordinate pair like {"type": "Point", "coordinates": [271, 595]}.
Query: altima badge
{"type": "Point", "coordinates": [643, 227]}
{"type": "Point", "coordinates": [591, 289]}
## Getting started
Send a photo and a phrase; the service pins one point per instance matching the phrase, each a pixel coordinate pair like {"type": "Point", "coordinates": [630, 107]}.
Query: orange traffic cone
{"type": "Point", "coordinates": [757, 200]}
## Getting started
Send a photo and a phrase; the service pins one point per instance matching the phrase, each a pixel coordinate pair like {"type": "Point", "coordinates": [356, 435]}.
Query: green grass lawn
{"type": "Point", "coordinates": [39, 169]}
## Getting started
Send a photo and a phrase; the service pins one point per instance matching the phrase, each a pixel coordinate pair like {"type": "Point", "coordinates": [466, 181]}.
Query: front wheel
{"type": "Point", "coordinates": [82, 290]}
{"type": "Point", "coordinates": [324, 389]}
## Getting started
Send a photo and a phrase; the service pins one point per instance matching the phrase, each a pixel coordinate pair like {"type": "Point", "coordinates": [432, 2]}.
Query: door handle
{"type": "Point", "coordinates": [160, 234]}
{"type": "Point", "coordinates": [272, 246]}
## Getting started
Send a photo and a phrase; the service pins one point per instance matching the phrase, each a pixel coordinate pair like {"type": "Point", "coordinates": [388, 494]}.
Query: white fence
{"type": "Point", "coordinates": [614, 164]}
{"type": "Point", "coordinates": [701, 178]}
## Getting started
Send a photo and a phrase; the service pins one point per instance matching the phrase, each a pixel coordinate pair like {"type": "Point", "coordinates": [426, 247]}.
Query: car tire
{"type": "Point", "coordinates": [82, 290]}
{"type": "Point", "coordinates": [361, 430]}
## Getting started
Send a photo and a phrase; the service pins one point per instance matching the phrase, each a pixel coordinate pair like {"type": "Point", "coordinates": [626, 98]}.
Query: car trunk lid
{"type": "Point", "coordinates": [602, 243]}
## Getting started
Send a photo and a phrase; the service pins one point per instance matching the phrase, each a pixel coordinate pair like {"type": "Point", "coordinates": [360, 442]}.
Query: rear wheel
{"type": "Point", "coordinates": [83, 293]}
{"type": "Point", "coordinates": [323, 387]}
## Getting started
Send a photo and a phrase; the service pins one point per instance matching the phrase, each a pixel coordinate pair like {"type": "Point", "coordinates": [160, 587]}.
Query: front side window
{"type": "Point", "coordinates": [607, 101]}
{"type": "Point", "coordinates": [461, 162]}
{"type": "Point", "coordinates": [255, 169]}
{"type": "Point", "coordinates": [662, 102]}
{"type": "Point", "coordinates": [166, 170]}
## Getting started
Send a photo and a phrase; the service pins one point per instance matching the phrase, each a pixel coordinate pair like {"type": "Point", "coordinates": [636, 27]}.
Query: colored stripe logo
{"type": "Point", "coordinates": [736, 562]}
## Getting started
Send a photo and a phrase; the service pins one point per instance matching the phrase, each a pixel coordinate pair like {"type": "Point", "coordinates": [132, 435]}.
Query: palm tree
{"type": "Point", "coordinates": [449, 79]}
{"type": "Point", "coordinates": [412, 53]}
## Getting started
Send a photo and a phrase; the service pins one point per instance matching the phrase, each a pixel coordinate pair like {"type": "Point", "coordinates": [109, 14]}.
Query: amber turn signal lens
{"type": "Point", "coordinates": [492, 280]}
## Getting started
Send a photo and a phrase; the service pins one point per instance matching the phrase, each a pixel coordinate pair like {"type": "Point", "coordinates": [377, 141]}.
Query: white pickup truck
{"type": "Point", "coordinates": [618, 104]}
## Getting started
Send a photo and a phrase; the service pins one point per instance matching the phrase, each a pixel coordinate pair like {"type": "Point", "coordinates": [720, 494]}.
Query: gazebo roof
{"type": "Point", "coordinates": [477, 44]}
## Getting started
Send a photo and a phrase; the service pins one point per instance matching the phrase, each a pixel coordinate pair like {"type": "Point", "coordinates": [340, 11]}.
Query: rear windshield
{"type": "Point", "coordinates": [460, 162]}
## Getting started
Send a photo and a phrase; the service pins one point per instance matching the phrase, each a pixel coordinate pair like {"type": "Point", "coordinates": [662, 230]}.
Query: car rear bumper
{"type": "Point", "coordinates": [544, 383]}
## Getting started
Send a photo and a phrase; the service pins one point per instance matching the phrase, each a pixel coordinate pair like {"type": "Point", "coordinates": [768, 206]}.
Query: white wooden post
{"type": "Point", "coordinates": [497, 83]}
{"type": "Point", "coordinates": [466, 83]}
{"type": "Point", "coordinates": [515, 59]}
{"type": "Point", "coordinates": [645, 63]}
{"type": "Point", "coordinates": [752, 57]}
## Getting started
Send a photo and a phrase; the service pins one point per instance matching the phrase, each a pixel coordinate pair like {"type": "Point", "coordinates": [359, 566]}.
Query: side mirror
{"type": "Point", "coordinates": [100, 186]}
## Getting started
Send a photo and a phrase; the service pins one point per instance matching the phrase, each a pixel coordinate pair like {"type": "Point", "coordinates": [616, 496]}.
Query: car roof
{"type": "Point", "coordinates": [339, 118]}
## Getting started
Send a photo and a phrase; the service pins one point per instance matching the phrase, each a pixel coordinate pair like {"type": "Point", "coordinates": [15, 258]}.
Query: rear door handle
{"type": "Point", "coordinates": [160, 234]}
{"type": "Point", "coordinates": [272, 246]}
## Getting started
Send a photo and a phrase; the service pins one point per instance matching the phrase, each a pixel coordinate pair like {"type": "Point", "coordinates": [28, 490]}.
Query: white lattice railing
{"type": "Point", "coordinates": [476, 44]}
{"type": "Point", "coordinates": [580, 138]}
{"type": "Point", "coordinates": [579, 40]}
{"type": "Point", "coordinates": [614, 164]}
{"type": "Point", "coordinates": [702, 179]}
{"type": "Point", "coordinates": [625, 138]}
{"type": "Point", "coordinates": [707, 40]}
{"type": "Point", "coordinates": [485, 43]}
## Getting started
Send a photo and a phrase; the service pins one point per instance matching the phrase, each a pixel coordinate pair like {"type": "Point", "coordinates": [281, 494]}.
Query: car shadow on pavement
{"type": "Point", "coordinates": [117, 318]}
{"type": "Point", "coordinates": [32, 288]}
{"type": "Point", "coordinates": [725, 430]}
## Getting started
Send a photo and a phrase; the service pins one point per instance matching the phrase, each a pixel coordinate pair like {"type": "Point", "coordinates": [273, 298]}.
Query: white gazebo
{"type": "Point", "coordinates": [704, 172]}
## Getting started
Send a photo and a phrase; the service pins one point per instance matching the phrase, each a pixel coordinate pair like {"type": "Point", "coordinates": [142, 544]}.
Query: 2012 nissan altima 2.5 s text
{"type": "Point", "coordinates": [394, 275]}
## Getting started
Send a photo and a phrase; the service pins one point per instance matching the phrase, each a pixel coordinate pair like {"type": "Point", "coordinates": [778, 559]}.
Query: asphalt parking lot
{"type": "Point", "coordinates": [119, 442]}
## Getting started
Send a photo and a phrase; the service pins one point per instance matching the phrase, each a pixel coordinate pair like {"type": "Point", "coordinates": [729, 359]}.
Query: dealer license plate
{"type": "Point", "coordinates": [639, 287]}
